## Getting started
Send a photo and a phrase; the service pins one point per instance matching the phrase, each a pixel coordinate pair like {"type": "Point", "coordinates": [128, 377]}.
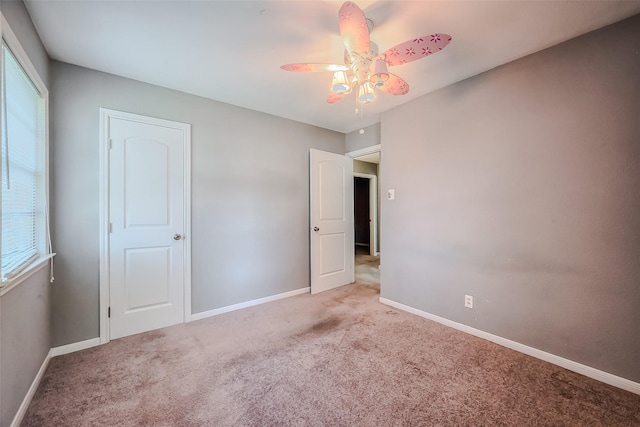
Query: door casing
{"type": "Point", "coordinates": [373, 211]}
{"type": "Point", "coordinates": [105, 116]}
{"type": "Point", "coordinates": [375, 183]}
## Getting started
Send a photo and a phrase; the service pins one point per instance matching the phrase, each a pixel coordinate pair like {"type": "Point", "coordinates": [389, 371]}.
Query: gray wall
{"type": "Point", "coordinates": [24, 310]}
{"type": "Point", "coordinates": [525, 194]}
{"type": "Point", "coordinates": [354, 141]}
{"type": "Point", "coordinates": [18, 18]}
{"type": "Point", "coordinates": [24, 320]}
{"type": "Point", "coordinates": [250, 194]}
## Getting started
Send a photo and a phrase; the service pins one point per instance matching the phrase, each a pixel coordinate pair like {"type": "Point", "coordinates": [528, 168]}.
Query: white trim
{"type": "Point", "coordinates": [234, 307]}
{"type": "Point", "coordinates": [373, 210]}
{"type": "Point", "coordinates": [19, 52]}
{"type": "Point", "coordinates": [32, 269]}
{"type": "Point", "coordinates": [365, 151]}
{"type": "Point", "coordinates": [76, 346]}
{"type": "Point", "coordinates": [105, 115]}
{"type": "Point", "coordinates": [22, 410]}
{"type": "Point", "coordinates": [585, 370]}
{"type": "Point", "coordinates": [2, 95]}
{"type": "Point", "coordinates": [104, 226]}
{"type": "Point", "coordinates": [186, 155]}
{"type": "Point", "coordinates": [56, 351]}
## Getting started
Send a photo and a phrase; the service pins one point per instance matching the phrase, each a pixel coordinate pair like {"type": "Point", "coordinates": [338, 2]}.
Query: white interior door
{"type": "Point", "coordinates": [332, 240]}
{"type": "Point", "coordinates": [147, 225]}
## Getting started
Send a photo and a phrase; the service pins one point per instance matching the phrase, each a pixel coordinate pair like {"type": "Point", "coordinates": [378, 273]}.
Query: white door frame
{"type": "Point", "coordinates": [105, 116]}
{"type": "Point", "coordinates": [363, 152]}
{"type": "Point", "coordinates": [373, 211]}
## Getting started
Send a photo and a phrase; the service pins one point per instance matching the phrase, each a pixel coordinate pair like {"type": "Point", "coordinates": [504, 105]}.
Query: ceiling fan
{"type": "Point", "coordinates": [364, 67]}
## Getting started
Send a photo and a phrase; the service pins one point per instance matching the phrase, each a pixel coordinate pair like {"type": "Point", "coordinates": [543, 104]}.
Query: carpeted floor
{"type": "Point", "coordinates": [367, 270]}
{"type": "Point", "coordinates": [339, 358]}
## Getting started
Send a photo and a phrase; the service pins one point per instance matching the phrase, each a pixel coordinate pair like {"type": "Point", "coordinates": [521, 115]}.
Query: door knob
{"type": "Point", "coordinates": [316, 229]}
{"type": "Point", "coordinates": [177, 236]}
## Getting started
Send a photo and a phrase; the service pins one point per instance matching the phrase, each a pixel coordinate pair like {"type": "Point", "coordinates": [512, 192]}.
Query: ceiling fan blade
{"type": "Point", "coordinates": [314, 67]}
{"type": "Point", "coordinates": [395, 85]}
{"type": "Point", "coordinates": [353, 28]}
{"type": "Point", "coordinates": [415, 49]}
{"type": "Point", "coordinates": [334, 97]}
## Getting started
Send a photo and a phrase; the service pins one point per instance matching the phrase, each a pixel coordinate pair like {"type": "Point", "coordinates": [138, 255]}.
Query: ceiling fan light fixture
{"type": "Point", "coordinates": [365, 68]}
{"type": "Point", "coordinates": [365, 93]}
{"type": "Point", "coordinates": [340, 83]}
{"type": "Point", "coordinates": [380, 72]}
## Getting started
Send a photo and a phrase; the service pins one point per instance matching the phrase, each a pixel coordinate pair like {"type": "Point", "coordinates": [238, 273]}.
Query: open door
{"type": "Point", "coordinates": [332, 242]}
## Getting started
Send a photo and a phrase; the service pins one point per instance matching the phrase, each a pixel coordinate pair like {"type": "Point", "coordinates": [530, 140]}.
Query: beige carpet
{"type": "Point", "coordinates": [339, 358]}
{"type": "Point", "coordinates": [366, 267]}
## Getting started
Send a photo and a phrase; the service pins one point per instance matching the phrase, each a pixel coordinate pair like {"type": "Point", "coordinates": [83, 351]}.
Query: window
{"type": "Point", "coordinates": [23, 166]}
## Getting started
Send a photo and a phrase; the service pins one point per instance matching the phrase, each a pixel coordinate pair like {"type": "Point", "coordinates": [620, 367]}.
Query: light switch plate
{"type": "Point", "coordinates": [391, 194]}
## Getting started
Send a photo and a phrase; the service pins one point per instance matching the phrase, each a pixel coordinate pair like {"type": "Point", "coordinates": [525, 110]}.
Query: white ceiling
{"type": "Point", "coordinates": [231, 51]}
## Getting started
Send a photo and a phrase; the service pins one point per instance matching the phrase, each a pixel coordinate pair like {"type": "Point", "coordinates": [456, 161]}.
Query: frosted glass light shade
{"type": "Point", "coordinates": [365, 93]}
{"type": "Point", "coordinates": [340, 83]}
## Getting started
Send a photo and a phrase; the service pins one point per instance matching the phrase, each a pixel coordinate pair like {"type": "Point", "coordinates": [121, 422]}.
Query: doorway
{"type": "Point", "coordinates": [366, 209]}
{"type": "Point", "coordinates": [366, 167]}
{"type": "Point", "coordinates": [362, 212]}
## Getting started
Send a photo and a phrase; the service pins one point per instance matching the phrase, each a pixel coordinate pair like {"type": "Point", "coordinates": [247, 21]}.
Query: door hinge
{"type": "Point", "coordinates": [110, 228]}
{"type": "Point", "coordinates": [110, 144]}
{"type": "Point", "coordinates": [109, 312]}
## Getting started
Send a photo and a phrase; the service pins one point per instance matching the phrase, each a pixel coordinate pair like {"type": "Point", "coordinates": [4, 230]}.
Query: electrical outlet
{"type": "Point", "coordinates": [468, 301]}
{"type": "Point", "coordinates": [391, 194]}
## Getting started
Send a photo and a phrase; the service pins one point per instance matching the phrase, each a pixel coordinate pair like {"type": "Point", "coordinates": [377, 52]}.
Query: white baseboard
{"type": "Point", "coordinates": [93, 342]}
{"type": "Point", "coordinates": [76, 346]}
{"type": "Point", "coordinates": [22, 410]}
{"type": "Point", "coordinates": [585, 370]}
{"type": "Point", "coordinates": [234, 307]}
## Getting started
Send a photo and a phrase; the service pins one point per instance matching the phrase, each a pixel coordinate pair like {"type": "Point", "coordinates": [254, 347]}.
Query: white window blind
{"type": "Point", "coordinates": [22, 167]}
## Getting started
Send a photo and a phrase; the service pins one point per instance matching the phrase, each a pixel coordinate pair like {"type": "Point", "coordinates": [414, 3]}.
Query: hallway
{"type": "Point", "coordinates": [366, 267]}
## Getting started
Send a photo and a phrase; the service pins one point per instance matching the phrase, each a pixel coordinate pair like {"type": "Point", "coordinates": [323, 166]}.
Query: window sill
{"type": "Point", "coordinates": [35, 266]}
